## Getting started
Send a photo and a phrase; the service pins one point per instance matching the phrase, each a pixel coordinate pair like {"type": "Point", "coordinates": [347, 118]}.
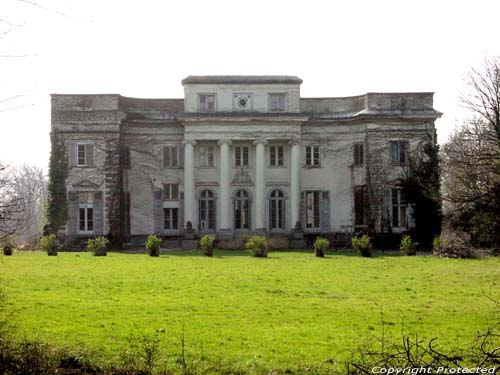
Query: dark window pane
{"type": "Point", "coordinates": [90, 219]}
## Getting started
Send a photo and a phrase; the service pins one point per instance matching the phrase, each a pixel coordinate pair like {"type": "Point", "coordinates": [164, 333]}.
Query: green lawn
{"type": "Point", "coordinates": [288, 311]}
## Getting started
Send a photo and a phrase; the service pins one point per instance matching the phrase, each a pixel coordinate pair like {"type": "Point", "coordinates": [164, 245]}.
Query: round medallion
{"type": "Point", "coordinates": [242, 102]}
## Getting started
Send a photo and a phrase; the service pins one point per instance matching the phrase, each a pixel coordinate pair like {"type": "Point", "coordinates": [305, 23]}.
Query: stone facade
{"type": "Point", "coordinates": [239, 154]}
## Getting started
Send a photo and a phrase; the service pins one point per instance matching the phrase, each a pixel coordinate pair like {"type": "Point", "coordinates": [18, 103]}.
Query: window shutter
{"type": "Point", "coordinates": [181, 224]}
{"type": "Point", "coordinates": [72, 212]}
{"type": "Point", "coordinates": [71, 154]}
{"type": "Point", "coordinates": [324, 212]}
{"type": "Point", "coordinates": [180, 155]}
{"type": "Point", "coordinates": [157, 212]}
{"type": "Point", "coordinates": [98, 215]}
{"type": "Point", "coordinates": [89, 155]}
{"type": "Point", "coordinates": [166, 157]}
{"type": "Point", "coordinates": [386, 211]}
{"type": "Point", "coordinates": [302, 209]}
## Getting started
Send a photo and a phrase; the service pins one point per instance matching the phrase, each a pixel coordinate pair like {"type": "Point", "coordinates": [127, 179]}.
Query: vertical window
{"type": "Point", "coordinates": [312, 156]}
{"type": "Point", "coordinates": [399, 152]}
{"type": "Point", "coordinates": [399, 209]}
{"type": "Point", "coordinates": [170, 156]}
{"type": "Point", "coordinates": [170, 192]}
{"type": "Point", "coordinates": [171, 216]}
{"type": "Point", "coordinates": [85, 154]}
{"type": "Point", "coordinates": [125, 154]}
{"type": "Point", "coordinates": [277, 102]}
{"type": "Point", "coordinates": [312, 209]}
{"type": "Point", "coordinates": [207, 210]}
{"type": "Point", "coordinates": [277, 210]}
{"type": "Point", "coordinates": [206, 103]}
{"type": "Point", "coordinates": [241, 156]}
{"type": "Point", "coordinates": [241, 210]}
{"type": "Point", "coordinates": [276, 155]}
{"type": "Point", "coordinates": [206, 156]}
{"type": "Point", "coordinates": [360, 204]}
{"type": "Point", "coordinates": [358, 154]}
{"type": "Point", "coordinates": [86, 211]}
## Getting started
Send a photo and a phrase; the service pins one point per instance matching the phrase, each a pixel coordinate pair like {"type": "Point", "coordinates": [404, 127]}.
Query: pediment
{"type": "Point", "coordinates": [85, 184]}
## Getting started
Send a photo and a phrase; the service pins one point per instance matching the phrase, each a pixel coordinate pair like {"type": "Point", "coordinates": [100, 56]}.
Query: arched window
{"type": "Point", "coordinates": [207, 210]}
{"type": "Point", "coordinates": [241, 210]}
{"type": "Point", "coordinates": [277, 210]}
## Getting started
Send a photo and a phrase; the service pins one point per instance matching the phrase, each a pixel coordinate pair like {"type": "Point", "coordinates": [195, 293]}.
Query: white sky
{"type": "Point", "coordinates": [144, 49]}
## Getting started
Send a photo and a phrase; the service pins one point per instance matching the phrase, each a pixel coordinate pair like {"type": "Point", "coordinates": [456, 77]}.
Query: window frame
{"type": "Point", "coordinates": [275, 162]}
{"type": "Point", "coordinates": [271, 95]}
{"type": "Point", "coordinates": [242, 204]}
{"type": "Point", "coordinates": [280, 218]}
{"type": "Point", "coordinates": [86, 152]}
{"type": "Point", "coordinates": [398, 205]}
{"type": "Point", "coordinates": [310, 153]}
{"type": "Point", "coordinates": [359, 154]}
{"type": "Point", "coordinates": [204, 150]}
{"type": "Point", "coordinates": [203, 108]}
{"type": "Point", "coordinates": [87, 206]}
{"type": "Point", "coordinates": [241, 159]}
{"type": "Point", "coordinates": [172, 219]}
{"type": "Point", "coordinates": [173, 150]}
{"type": "Point", "coordinates": [395, 150]}
{"type": "Point", "coordinates": [316, 209]}
{"type": "Point", "coordinates": [171, 188]}
{"type": "Point", "coordinates": [204, 210]}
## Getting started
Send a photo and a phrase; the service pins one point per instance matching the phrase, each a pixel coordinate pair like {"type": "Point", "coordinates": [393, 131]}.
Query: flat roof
{"type": "Point", "coordinates": [241, 79]}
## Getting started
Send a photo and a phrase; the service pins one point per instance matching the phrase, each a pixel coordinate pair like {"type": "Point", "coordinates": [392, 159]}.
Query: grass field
{"type": "Point", "coordinates": [286, 312]}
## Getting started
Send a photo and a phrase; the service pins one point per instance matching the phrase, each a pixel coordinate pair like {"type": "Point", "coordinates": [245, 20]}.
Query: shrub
{"type": "Point", "coordinates": [8, 249]}
{"type": "Point", "coordinates": [453, 244]}
{"type": "Point", "coordinates": [258, 245]}
{"type": "Point", "coordinates": [207, 244]}
{"type": "Point", "coordinates": [436, 243]}
{"type": "Point", "coordinates": [50, 244]}
{"type": "Point", "coordinates": [407, 246]}
{"type": "Point", "coordinates": [153, 243]}
{"type": "Point", "coordinates": [98, 246]}
{"type": "Point", "coordinates": [320, 246]}
{"type": "Point", "coordinates": [363, 244]}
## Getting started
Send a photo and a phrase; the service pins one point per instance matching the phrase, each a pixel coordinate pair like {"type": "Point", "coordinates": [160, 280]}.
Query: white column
{"type": "Point", "coordinates": [295, 168]}
{"type": "Point", "coordinates": [260, 184]}
{"type": "Point", "coordinates": [224, 185]}
{"type": "Point", "coordinates": [189, 194]}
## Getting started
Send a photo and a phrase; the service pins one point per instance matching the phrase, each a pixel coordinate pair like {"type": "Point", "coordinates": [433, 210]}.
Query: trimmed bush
{"type": "Point", "coordinates": [363, 245]}
{"type": "Point", "coordinates": [153, 243]}
{"type": "Point", "coordinates": [407, 245]}
{"type": "Point", "coordinates": [8, 249]}
{"type": "Point", "coordinates": [50, 244]}
{"type": "Point", "coordinates": [320, 246]}
{"type": "Point", "coordinates": [258, 245]}
{"type": "Point", "coordinates": [207, 245]}
{"type": "Point", "coordinates": [98, 246]}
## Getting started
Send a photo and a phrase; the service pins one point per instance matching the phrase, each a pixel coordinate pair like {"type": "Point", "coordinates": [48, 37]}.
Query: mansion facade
{"type": "Point", "coordinates": [239, 154]}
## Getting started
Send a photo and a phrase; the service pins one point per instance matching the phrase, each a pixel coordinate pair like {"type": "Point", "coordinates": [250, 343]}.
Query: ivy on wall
{"type": "Point", "coordinates": [57, 212]}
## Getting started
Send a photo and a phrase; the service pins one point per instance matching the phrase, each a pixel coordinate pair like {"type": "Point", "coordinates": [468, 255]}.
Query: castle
{"type": "Point", "coordinates": [237, 155]}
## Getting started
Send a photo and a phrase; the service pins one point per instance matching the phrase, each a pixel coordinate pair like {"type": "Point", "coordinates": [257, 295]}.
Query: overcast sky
{"type": "Point", "coordinates": [144, 49]}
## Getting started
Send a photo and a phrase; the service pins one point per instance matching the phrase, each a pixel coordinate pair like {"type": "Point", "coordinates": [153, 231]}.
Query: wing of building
{"type": "Point", "coordinates": [237, 155]}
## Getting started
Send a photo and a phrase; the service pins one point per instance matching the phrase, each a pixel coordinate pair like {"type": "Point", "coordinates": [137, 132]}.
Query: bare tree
{"type": "Point", "coordinates": [22, 197]}
{"type": "Point", "coordinates": [471, 157]}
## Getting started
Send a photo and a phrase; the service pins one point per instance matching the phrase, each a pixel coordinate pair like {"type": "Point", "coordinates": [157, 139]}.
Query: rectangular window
{"type": "Point", "coordinates": [312, 209]}
{"type": "Point", "coordinates": [312, 156]}
{"type": "Point", "coordinates": [206, 103]}
{"type": "Point", "coordinates": [241, 156]}
{"type": "Point", "coordinates": [206, 157]}
{"type": "Point", "coordinates": [360, 205]}
{"type": "Point", "coordinates": [86, 211]}
{"type": "Point", "coordinates": [171, 192]}
{"type": "Point", "coordinates": [277, 102]}
{"type": "Point", "coordinates": [399, 152]}
{"type": "Point", "coordinates": [358, 154]}
{"type": "Point", "coordinates": [85, 154]}
{"type": "Point", "coordinates": [171, 216]}
{"type": "Point", "coordinates": [276, 155]}
{"type": "Point", "coordinates": [170, 157]}
{"type": "Point", "coordinates": [125, 153]}
{"type": "Point", "coordinates": [399, 209]}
